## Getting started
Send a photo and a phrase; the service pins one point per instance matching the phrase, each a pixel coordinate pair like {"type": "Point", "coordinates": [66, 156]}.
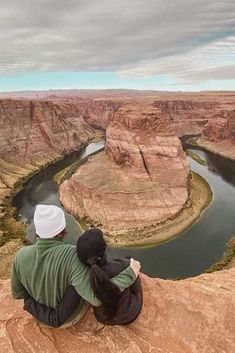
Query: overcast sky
{"type": "Point", "coordinates": [144, 44]}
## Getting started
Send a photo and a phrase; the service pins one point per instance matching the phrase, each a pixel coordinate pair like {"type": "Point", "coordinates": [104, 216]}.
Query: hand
{"type": "Point", "coordinates": [135, 265]}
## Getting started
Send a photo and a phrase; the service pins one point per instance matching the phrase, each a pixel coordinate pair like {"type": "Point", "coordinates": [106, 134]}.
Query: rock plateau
{"type": "Point", "coordinates": [141, 179]}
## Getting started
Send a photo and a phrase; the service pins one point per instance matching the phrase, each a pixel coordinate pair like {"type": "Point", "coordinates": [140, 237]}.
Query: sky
{"type": "Point", "coordinates": [166, 45]}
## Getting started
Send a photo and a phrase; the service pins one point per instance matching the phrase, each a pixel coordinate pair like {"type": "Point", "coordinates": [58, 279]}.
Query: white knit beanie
{"type": "Point", "coordinates": [49, 221]}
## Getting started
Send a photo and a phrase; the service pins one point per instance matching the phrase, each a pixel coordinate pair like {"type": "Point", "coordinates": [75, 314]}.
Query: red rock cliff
{"type": "Point", "coordinates": [140, 180]}
{"type": "Point", "coordinates": [219, 134]}
{"type": "Point", "coordinates": [195, 315]}
{"type": "Point", "coordinates": [99, 113]}
{"type": "Point", "coordinates": [34, 132]}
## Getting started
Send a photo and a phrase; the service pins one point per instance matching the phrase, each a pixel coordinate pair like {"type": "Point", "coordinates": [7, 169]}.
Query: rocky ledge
{"type": "Point", "coordinates": [196, 315]}
{"type": "Point", "coordinates": [140, 179]}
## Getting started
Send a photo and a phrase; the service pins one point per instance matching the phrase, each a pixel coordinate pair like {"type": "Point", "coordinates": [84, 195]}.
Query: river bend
{"type": "Point", "coordinates": [187, 255]}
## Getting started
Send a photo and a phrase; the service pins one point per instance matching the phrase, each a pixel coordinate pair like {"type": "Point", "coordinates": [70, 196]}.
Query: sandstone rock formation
{"type": "Point", "coordinates": [216, 129]}
{"type": "Point", "coordinates": [196, 315]}
{"type": "Point", "coordinates": [34, 132]}
{"type": "Point", "coordinates": [199, 116]}
{"type": "Point", "coordinates": [219, 134]}
{"type": "Point", "coordinates": [99, 113]}
{"type": "Point", "coordinates": [190, 316]}
{"type": "Point", "coordinates": [58, 121]}
{"type": "Point", "coordinates": [39, 127]}
{"type": "Point", "coordinates": [140, 180]}
{"type": "Point", "coordinates": [187, 116]}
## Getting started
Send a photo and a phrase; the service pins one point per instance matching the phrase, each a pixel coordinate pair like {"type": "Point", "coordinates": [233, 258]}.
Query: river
{"type": "Point", "coordinates": [188, 255]}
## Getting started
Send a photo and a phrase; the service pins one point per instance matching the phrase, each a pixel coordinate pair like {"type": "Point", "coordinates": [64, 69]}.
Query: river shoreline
{"type": "Point", "coordinates": [213, 147]}
{"type": "Point", "coordinates": [10, 227]}
{"type": "Point", "coordinates": [176, 228]}
{"type": "Point", "coordinates": [199, 198]}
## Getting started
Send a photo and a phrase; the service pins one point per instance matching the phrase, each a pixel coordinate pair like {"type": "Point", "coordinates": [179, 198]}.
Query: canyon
{"type": "Point", "coordinates": [38, 128]}
{"type": "Point", "coordinates": [33, 133]}
{"type": "Point", "coordinates": [44, 126]}
{"type": "Point", "coordinates": [194, 315]}
{"type": "Point", "coordinates": [140, 179]}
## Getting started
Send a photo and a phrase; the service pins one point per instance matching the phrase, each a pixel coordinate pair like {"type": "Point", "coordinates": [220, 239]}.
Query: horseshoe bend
{"type": "Point", "coordinates": [141, 179]}
{"type": "Point", "coordinates": [138, 184]}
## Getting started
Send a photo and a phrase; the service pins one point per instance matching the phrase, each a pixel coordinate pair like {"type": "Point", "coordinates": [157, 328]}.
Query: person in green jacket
{"type": "Point", "coordinates": [46, 269]}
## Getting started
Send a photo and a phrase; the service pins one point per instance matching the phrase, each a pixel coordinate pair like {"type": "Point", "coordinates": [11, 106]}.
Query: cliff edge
{"type": "Point", "coordinates": [195, 315]}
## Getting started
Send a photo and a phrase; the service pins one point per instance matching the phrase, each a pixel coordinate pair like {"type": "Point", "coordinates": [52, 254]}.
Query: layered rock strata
{"type": "Point", "coordinates": [196, 315]}
{"type": "Point", "coordinates": [140, 179]}
{"type": "Point", "coordinates": [33, 132]}
{"type": "Point", "coordinates": [187, 116]}
{"type": "Point", "coordinates": [99, 113]}
{"type": "Point", "coordinates": [219, 135]}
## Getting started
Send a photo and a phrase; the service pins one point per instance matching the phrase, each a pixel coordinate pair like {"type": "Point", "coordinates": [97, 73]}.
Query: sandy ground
{"type": "Point", "coordinates": [199, 199]}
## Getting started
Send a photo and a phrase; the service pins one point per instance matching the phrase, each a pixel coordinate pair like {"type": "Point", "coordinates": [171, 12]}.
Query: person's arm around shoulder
{"type": "Point", "coordinates": [53, 317]}
{"type": "Point", "coordinates": [80, 279]}
{"type": "Point", "coordinates": [128, 276]}
{"type": "Point", "coordinates": [17, 289]}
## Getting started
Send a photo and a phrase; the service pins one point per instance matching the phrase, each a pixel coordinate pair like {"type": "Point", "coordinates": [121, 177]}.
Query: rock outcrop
{"type": "Point", "coordinates": [210, 115]}
{"type": "Point", "coordinates": [99, 113]}
{"type": "Point", "coordinates": [33, 132]}
{"type": "Point", "coordinates": [197, 116]}
{"type": "Point", "coordinates": [216, 129]}
{"type": "Point", "coordinates": [187, 116]}
{"type": "Point", "coordinates": [219, 134]}
{"type": "Point", "coordinates": [196, 315]}
{"type": "Point", "coordinates": [140, 180]}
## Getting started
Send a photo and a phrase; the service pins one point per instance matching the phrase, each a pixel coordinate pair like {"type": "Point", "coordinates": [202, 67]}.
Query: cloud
{"type": "Point", "coordinates": [213, 61]}
{"type": "Point", "coordinates": [184, 39]}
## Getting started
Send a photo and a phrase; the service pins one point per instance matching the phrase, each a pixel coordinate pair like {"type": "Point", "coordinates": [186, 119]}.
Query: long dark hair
{"type": "Point", "coordinates": [91, 248]}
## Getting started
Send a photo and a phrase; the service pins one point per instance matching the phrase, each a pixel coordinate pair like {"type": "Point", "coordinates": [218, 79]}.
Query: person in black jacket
{"type": "Point", "coordinates": [117, 308]}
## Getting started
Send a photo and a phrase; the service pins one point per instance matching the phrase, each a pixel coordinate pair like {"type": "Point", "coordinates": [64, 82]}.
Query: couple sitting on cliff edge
{"type": "Point", "coordinates": [58, 281]}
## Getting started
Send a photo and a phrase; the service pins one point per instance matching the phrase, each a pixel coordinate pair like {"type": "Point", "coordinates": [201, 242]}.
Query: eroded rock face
{"type": "Point", "coordinates": [187, 116]}
{"type": "Point", "coordinates": [34, 132]}
{"type": "Point", "coordinates": [219, 134]}
{"type": "Point", "coordinates": [209, 115]}
{"type": "Point", "coordinates": [141, 178]}
{"type": "Point", "coordinates": [99, 113]}
{"type": "Point", "coordinates": [142, 140]}
{"type": "Point", "coordinates": [216, 130]}
{"type": "Point", "coordinates": [196, 315]}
